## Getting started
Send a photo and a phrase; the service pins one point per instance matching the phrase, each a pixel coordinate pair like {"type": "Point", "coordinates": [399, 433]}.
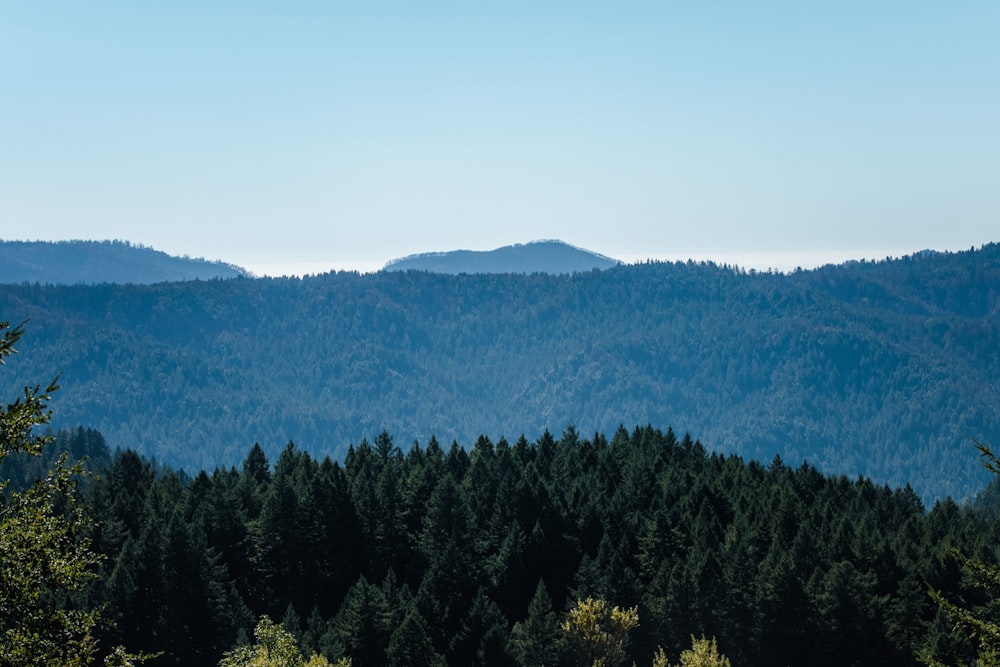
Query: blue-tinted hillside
{"type": "Point", "coordinates": [553, 257]}
{"type": "Point", "coordinates": [883, 369]}
{"type": "Point", "coordinates": [94, 262]}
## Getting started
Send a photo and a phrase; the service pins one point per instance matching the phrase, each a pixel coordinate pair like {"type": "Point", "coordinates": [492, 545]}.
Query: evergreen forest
{"type": "Point", "coordinates": [442, 555]}
{"type": "Point", "coordinates": [876, 369]}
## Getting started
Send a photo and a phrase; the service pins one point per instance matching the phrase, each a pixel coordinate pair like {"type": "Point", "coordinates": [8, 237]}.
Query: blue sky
{"type": "Point", "coordinates": [304, 136]}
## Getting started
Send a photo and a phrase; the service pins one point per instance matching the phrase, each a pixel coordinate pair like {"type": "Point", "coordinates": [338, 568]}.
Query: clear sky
{"type": "Point", "coordinates": [304, 136]}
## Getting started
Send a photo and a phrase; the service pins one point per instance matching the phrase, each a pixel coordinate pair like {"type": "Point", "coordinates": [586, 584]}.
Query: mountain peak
{"type": "Point", "coordinates": [545, 256]}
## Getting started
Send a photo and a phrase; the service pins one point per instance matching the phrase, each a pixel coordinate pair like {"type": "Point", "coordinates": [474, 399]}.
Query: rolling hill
{"type": "Point", "coordinates": [93, 262]}
{"type": "Point", "coordinates": [554, 257]}
{"type": "Point", "coordinates": [882, 369]}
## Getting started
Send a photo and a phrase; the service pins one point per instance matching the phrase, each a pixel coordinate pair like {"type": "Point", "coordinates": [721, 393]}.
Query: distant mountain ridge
{"type": "Point", "coordinates": [97, 262]}
{"type": "Point", "coordinates": [548, 256]}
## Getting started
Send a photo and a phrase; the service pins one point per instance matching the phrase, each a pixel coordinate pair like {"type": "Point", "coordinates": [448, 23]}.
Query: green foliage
{"type": "Point", "coordinates": [20, 418]}
{"type": "Point", "coordinates": [46, 560]}
{"type": "Point", "coordinates": [410, 644]}
{"type": "Point", "coordinates": [599, 632]}
{"type": "Point", "coordinates": [119, 657]}
{"type": "Point", "coordinates": [703, 653]}
{"type": "Point", "coordinates": [362, 627]}
{"type": "Point", "coordinates": [535, 641]}
{"type": "Point", "coordinates": [274, 647]}
{"type": "Point", "coordinates": [85, 446]}
{"type": "Point", "coordinates": [981, 623]}
{"type": "Point", "coordinates": [44, 547]}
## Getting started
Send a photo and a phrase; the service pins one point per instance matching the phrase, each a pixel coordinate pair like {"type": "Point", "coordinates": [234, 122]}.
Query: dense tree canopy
{"type": "Point", "coordinates": [491, 549]}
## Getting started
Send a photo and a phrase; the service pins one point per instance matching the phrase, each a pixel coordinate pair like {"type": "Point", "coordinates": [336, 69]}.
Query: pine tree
{"type": "Point", "coordinates": [361, 628]}
{"type": "Point", "coordinates": [536, 641]}
{"type": "Point", "coordinates": [410, 644]}
{"type": "Point", "coordinates": [447, 544]}
{"type": "Point", "coordinates": [482, 636]}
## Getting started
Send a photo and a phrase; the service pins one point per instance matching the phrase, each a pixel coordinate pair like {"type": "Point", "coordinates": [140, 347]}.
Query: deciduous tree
{"type": "Point", "coordinates": [275, 647]}
{"type": "Point", "coordinates": [44, 547]}
{"type": "Point", "coordinates": [703, 653]}
{"type": "Point", "coordinates": [599, 631]}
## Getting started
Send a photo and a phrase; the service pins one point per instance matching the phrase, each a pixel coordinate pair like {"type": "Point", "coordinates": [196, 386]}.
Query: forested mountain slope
{"type": "Point", "coordinates": [883, 369]}
{"type": "Point", "coordinates": [92, 262]}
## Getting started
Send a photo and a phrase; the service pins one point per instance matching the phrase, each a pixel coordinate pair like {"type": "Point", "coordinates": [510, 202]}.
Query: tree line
{"type": "Point", "coordinates": [438, 555]}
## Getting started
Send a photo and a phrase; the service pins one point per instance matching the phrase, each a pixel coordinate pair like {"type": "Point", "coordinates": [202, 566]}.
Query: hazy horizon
{"type": "Point", "coordinates": [782, 261]}
{"type": "Point", "coordinates": [760, 261]}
